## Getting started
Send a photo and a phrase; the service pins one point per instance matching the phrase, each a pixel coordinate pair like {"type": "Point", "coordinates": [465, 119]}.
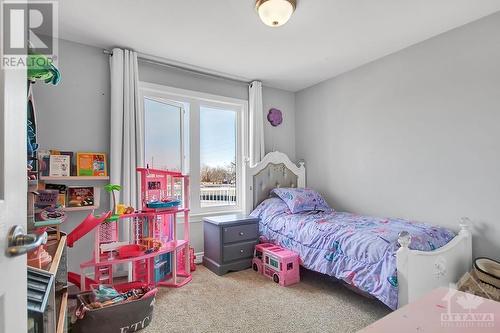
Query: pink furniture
{"type": "Point", "coordinates": [442, 310]}
{"type": "Point", "coordinates": [277, 263]}
{"type": "Point", "coordinates": [87, 225]}
{"type": "Point", "coordinates": [152, 249]}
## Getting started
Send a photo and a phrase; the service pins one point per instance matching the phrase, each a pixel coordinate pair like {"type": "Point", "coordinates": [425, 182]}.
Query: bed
{"type": "Point", "coordinates": [394, 260]}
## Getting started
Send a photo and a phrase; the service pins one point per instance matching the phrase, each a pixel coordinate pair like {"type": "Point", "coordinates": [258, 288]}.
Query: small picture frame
{"type": "Point", "coordinates": [91, 164]}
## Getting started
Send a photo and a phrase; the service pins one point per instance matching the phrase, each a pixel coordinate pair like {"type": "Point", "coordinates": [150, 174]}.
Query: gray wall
{"type": "Point", "coordinates": [415, 134]}
{"type": "Point", "coordinates": [276, 138]}
{"type": "Point", "coordinates": [281, 138]}
{"type": "Point", "coordinates": [75, 116]}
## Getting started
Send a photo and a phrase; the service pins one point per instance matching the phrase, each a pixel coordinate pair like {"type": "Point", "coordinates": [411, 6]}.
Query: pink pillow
{"type": "Point", "coordinates": [302, 199]}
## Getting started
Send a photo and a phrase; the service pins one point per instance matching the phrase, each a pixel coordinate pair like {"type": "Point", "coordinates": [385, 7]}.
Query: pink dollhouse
{"type": "Point", "coordinates": [153, 248]}
{"type": "Point", "coordinates": [277, 263]}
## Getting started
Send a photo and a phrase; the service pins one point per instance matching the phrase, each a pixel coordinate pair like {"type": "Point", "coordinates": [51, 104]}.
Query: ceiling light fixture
{"type": "Point", "coordinates": [275, 13]}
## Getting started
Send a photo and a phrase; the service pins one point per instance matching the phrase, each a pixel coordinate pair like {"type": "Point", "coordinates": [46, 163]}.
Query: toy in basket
{"type": "Point", "coordinates": [277, 263]}
{"type": "Point", "coordinates": [122, 308]}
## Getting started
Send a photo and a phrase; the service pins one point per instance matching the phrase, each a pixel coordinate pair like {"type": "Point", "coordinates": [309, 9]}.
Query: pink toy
{"type": "Point", "coordinates": [87, 225]}
{"type": "Point", "coordinates": [277, 263]}
{"type": "Point", "coordinates": [39, 258]}
{"type": "Point", "coordinates": [129, 251]}
{"type": "Point", "coordinates": [181, 259]}
{"type": "Point", "coordinates": [153, 249]}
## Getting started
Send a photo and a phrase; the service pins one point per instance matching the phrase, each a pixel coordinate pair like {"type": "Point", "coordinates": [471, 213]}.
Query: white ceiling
{"type": "Point", "coordinates": [322, 39]}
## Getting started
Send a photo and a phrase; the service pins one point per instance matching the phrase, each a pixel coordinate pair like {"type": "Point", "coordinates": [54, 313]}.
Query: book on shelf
{"type": "Point", "coordinates": [71, 159]}
{"type": "Point", "coordinates": [59, 166]}
{"type": "Point", "coordinates": [91, 164]}
{"type": "Point", "coordinates": [80, 196]}
{"type": "Point", "coordinates": [61, 188]}
{"type": "Point", "coordinates": [48, 212]}
{"type": "Point", "coordinates": [43, 161]}
{"type": "Point", "coordinates": [46, 198]}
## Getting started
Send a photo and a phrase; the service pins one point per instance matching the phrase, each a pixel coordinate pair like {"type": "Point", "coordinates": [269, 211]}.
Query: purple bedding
{"type": "Point", "coordinates": [360, 250]}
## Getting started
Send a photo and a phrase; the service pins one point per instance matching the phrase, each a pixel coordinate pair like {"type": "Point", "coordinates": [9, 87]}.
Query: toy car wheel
{"type": "Point", "coordinates": [276, 278]}
{"type": "Point", "coordinates": [255, 267]}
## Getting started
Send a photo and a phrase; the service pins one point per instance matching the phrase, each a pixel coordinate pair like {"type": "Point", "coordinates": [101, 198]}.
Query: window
{"type": "Point", "coordinates": [258, 254]}
{"type": "Point", "coordinates": [274, 263]}
{"type": "Point", "coordinates": [201, 135]}
{"type": "Point", "coordinates": [217, 157]}
{"type": "Point", "coordinates": [162, 134]}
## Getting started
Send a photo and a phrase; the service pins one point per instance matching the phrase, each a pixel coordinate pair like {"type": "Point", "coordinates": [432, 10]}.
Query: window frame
{"type": "Point", "coordinates": [182, 115]}
{"type": "Point", "coordinates": [190, 141]}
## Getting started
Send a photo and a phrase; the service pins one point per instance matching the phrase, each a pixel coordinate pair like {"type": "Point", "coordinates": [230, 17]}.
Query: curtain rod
{"type": "Point", "coordinates": [184, 67]}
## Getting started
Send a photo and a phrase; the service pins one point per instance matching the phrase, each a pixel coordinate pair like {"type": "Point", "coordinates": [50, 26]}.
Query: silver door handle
{"type": "Point", "coordinates": [21, 243]}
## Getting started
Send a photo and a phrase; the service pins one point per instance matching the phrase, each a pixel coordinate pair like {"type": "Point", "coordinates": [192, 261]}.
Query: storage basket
{"type": "Point", "coordinates": [471, 284]}
{"type": "Point", "coordinates": [131, 316]}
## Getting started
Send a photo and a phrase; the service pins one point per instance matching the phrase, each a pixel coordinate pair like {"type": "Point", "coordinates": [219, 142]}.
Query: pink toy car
{"type": "Point", "coordinates": [277, 263]}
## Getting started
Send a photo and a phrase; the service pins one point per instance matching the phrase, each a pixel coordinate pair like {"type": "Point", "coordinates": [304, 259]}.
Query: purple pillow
{"type": "Point", "coordinates": [302, 199]}
{"type": "Point", "coordinates": [269, 208]}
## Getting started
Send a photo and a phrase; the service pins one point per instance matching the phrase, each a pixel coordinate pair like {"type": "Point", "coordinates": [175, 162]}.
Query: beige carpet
{"type": "Point", "coordinates": [248, 302]}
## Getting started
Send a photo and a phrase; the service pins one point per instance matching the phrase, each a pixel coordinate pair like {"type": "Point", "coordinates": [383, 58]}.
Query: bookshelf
{"type": "Point", "coordinates": [64, 180]}
{"type": "Point", "coordinates": [75, 209]}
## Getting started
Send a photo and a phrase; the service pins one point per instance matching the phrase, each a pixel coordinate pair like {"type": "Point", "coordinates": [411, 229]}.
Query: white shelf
{"type": "Point", "coordinates": [75, 178]}
{"type": "Point", "coordinates": [75, 209]}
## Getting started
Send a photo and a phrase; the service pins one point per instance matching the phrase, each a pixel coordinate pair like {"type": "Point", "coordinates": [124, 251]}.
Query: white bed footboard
{"type": "Point", "coordinates": [419, 272]}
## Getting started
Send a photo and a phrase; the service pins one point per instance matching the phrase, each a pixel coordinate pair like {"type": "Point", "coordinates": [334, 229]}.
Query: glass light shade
{"type": "Point", "coordinates": [275, 13]}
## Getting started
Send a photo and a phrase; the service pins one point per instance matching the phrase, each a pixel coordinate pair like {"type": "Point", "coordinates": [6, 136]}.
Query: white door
{"type": "Point", "coordinates": [13, 187]}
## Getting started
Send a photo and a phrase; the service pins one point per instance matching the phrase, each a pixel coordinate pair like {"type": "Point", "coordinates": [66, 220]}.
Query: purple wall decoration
{"type": "Point", "coordinates": [275, 117]}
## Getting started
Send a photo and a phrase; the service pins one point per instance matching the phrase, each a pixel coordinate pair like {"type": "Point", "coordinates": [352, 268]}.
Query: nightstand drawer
{"type": "Point", "coordinates": [240, 233]}
{"type": "Point", "coordinates": [238, 251]}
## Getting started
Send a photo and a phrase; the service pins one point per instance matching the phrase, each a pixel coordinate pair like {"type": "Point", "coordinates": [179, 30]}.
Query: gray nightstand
{"type": "Point", "coordinates": [229, 242]}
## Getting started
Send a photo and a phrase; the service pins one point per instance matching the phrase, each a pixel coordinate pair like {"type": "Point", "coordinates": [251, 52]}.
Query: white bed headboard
{"type": "Point", "coordinates": [275, 170]}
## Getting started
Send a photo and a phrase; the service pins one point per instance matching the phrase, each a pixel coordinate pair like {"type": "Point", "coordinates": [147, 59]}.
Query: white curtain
{"type": "Point", "coordinates": [127, 127]}
{"type": "Point", "coordinates": [256, 115]}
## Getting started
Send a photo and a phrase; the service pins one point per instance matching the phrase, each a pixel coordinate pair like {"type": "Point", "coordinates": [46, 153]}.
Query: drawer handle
{"type": "Point", "coordinates": [241, 251]}
{"type": "Point", "coordinates": [241, 233]}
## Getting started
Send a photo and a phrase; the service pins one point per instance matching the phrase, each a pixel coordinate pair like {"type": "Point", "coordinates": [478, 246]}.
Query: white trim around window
{"type": "Point", "coordinates": [191, 138]}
